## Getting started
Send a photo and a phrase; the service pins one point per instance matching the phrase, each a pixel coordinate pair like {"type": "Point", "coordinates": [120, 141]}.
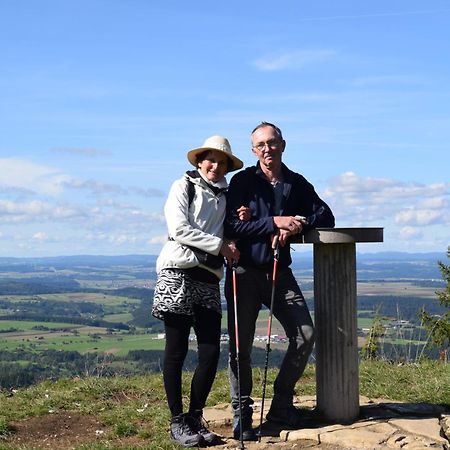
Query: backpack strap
{"type": "Point", "coordinates": [190, 188]}
{"type": "Point", "coordinates": [190, 191]}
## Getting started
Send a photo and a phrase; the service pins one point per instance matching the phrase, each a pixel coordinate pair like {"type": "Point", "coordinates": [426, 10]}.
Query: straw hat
{"type": "Point", "coordinates": [220, 144]}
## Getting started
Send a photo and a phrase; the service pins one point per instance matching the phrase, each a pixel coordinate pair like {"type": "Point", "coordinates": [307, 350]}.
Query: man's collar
{"type": "Point", "coordinates": [284, 170]}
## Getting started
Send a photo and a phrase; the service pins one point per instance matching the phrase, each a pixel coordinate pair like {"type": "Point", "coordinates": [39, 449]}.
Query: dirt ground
{"type": "Point", "coordinates": [62, 431]}
{"type": "Point", "coordinates": [66, 430]}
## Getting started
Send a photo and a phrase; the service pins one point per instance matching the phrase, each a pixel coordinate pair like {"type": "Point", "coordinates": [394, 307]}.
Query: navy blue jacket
{"type": "Point", "coordinates": [251, 188]}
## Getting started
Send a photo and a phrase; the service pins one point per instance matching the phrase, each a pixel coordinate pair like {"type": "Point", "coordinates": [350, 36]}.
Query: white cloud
{"type": "Point", "coordinates": [95, 186]}
{"type": "Point", "coordinates": [24, 177]}
{"type": "Point", "coordinates": [434, 203]}
{"type": "Point", "coordinates": [415, 216]}
{"type": "Point", "coordinates": [24, 174]}
{"type": "Point", "coordinates": [149, 192]}
{"type": "Point", "coordinates": [36, 210]}
{"type": "Point", "coordinates": [407, 233]}
{"type": "Point", "coordinates": [363, 200]}
{"type": "Point", "coordinates": [350, 183]}
{"type": "Point", "coordinates": [99, 188]}
{"type": "Point", "coordinates": [419, 217]}
{"type": "Point", "coordinates": [89, 152]}
{"type": "Point", "coordinates": [292, 60]}
{"type": "Point", "coordinates": [40, 236]}
{"type": "Point", "coordinates": [116, 238]}
{"type": "Point", "coordinates": [160, 240]}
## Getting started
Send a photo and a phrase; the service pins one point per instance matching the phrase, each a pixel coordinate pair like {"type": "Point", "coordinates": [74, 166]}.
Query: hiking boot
{"type": "Point", "coordinates": [288, 416]}
{"type": "Point", "coordinates": [199, 424]}
{"type": "Point", "coordinates": [183, 432]}
{"type": "Point", "coordinates": [248, 434]}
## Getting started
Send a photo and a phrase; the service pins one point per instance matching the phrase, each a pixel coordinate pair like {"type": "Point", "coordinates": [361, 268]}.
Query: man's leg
{"type": "Point", "coordinates": [292, 312]}
{"type": "Point", "coordinates": [248, 305]}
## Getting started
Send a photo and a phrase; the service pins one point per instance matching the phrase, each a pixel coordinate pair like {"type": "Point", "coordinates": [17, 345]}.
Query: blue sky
{"type": "Point", "coordinates": [100, 101]}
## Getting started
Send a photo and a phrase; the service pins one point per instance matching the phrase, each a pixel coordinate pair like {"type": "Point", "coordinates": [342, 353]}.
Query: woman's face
{"type": "Point", "coordinates": [214, 166]}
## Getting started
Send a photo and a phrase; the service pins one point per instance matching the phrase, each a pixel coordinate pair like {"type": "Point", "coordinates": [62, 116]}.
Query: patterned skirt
{"type": "Point", "coordinates": [176, 292]}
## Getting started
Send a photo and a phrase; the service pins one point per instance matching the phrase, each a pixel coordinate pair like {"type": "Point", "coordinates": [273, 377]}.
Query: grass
{"type": "Point", "coordinates": [27, 325]}
{"type": "Point", "coordinates": [92, 297]}
{"type": "Point", "coordinates": [120, 317]}
{"type": "Point", "coordinates": [6, 429]}
{"type": "Point", "coordinates": [120, 345]}
{"type": "Point", "coordinates": [135, 407]}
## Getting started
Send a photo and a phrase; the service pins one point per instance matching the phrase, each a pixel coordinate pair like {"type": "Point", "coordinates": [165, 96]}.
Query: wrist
{"type": "Point", "coordinates": [274, 222]}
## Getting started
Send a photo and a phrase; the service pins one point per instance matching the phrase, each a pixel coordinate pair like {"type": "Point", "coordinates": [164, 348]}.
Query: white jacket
{"type": "Point", "coordinates": [200, 225]}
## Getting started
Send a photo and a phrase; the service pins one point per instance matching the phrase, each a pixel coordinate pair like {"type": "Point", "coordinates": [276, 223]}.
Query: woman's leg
{"type": "Point", "coordinates": [207, 329]}
{"type": "Point", "coordinates": [177, 328]}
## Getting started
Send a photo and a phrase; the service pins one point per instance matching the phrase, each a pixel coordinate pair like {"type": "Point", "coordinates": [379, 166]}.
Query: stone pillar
{"type": "Point", "coordinates": [335, 317]}
{"type": "Point", "coordinates": [336, 340]}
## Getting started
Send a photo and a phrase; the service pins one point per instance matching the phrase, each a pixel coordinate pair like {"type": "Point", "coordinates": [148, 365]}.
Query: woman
{"type": "Point", "coordinates": [187, 290]}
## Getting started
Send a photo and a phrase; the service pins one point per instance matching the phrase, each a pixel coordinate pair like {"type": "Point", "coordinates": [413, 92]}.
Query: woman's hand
{"type": "Point", "coordinates": [230, 252]}
{"type": "Point", "coordinates": [244, 213]}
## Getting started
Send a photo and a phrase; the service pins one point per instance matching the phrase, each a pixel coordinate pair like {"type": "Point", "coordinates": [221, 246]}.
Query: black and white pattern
{"type": "Point", "coordinates": [176, 292]}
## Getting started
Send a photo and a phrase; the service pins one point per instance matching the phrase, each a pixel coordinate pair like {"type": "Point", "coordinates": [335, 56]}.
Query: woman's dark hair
{"type": "Point", "coordinates": [203, 155]}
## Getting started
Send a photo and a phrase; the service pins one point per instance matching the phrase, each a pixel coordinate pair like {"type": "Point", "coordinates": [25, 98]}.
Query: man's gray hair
{"type": "Point", "coordinates": [268, 124]}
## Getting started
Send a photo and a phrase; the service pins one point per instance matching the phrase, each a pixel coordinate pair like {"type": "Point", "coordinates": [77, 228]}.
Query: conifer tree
{"type": "Point", "coordinates": [371, 348]}
{"type": "Point", "coordinates": [439, 326]}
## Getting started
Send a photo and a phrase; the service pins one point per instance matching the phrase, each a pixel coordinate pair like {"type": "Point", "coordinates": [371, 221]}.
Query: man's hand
{"type": "Point", "coordinates": [287, 226]}
{"type": "Point", "coordinates": [291, 224]}
{"type": "Point", "coordinates": [281, 238]}
{"type": "Point", "coordinates": [275, 239]}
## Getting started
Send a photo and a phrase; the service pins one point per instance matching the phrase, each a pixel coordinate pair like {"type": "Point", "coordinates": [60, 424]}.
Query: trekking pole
{"type": "Point", "coordinates": [236, 336]}
{"type": "Point", "coordinates": [269, 332]}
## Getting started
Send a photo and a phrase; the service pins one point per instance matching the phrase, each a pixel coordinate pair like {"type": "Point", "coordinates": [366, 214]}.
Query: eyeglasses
{"type": "Point", "coordinates": [272, 144]}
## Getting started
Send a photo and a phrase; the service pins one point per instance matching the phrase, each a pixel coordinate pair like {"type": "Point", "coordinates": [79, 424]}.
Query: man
{"type": "Point", "coordinates": [282, 203]}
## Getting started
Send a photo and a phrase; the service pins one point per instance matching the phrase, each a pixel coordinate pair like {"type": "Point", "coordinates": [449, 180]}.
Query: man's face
{"type": "Point", "coordinates": [268, 147]}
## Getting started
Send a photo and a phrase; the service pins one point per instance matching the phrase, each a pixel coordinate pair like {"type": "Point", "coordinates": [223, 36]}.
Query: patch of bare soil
{"type": "Point", "coordinates": [59, 431]}
{"type": "Point", "coordinates": [64, 430]}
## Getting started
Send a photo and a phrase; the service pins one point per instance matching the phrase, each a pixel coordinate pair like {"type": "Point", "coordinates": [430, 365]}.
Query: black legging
{"type": "Point", "coordinates": [206, 325]}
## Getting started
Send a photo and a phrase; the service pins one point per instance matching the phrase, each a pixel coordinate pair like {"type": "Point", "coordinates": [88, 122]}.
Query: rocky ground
{"type": "Point", "coordinates": [382, 425]}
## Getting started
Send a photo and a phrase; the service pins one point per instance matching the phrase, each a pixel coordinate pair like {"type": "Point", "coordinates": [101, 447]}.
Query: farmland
{"type": "Point", "coordinates": [100, 306]}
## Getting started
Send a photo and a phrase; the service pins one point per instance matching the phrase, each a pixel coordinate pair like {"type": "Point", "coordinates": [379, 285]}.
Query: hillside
{"type": "Point", "coordinates": [130, 412]}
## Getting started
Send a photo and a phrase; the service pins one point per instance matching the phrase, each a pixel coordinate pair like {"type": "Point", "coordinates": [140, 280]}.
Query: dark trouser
{"type": "Point", "coordinates": [206, 325]}
{"type": "Point", "coordinates": [253, 290]}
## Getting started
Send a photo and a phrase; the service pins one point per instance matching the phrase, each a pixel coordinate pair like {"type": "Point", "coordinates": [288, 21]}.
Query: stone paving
{"type": "Point", "coordinates": [383, 424]}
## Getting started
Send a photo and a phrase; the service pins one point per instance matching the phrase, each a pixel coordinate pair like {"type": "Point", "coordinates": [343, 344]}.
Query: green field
{"type": "Point", "coordinates": [80, 338]}
{"type": "Point", "coordinates": [68, 336]}
{"type": "Point", "coordinates": [121, 317]}
{"type": "Point", "coordinates": [45, 294]}
{"type": "Point", "coordinates": [117, 309]}
{"type": "Point", "coordinates": [25, 325]}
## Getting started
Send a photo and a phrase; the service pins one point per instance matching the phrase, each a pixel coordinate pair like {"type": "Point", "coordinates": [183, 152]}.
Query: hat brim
{"type": "Point", "coordinates": [192, 157]}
